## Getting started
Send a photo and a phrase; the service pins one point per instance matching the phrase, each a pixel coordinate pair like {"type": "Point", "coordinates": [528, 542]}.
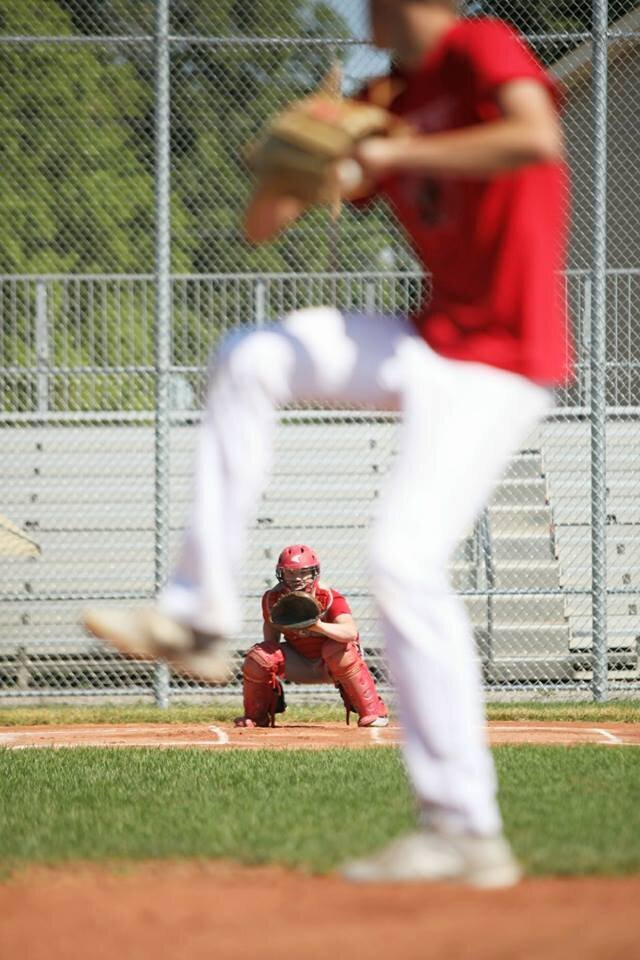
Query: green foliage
{"type": "Point", "coordinates": [77, 154]}
{"type": "Point", "coordinates": [222, 95]}
{"type": "Point", "coordinates": [91, 327]}
{"type": "Point", "coordinates": [75, 195]}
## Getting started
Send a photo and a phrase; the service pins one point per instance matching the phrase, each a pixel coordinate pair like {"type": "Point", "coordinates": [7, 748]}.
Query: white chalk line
{"type": "Point", "coordinates": [384, 736]}
{"type": "Point", "coordinates": [607, 738]}
{"type": "Point", "coordinates": [222, 736]}
{"type": "Point", "coordinates": [8, 740]}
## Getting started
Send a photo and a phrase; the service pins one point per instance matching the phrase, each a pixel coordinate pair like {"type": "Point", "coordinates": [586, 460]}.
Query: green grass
{"type": "Point", "coordinates": [572, 810]}
{"type": "Point", "coordinates": [566, 810]}
{"type": "Point", "coordinates": [147, 713]}
{"type": "Point", "coordinates": [617, 711]}
{"type": "Point", "coordinates": [620, 710]}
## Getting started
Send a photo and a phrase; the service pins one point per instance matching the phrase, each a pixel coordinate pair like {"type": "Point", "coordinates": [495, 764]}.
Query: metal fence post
{"type": "Point", "coordinates": [42, 347]}
{"type": "Point", "coordinates": [370, 297]}
{"type": "Point", "coordinates": [260, 303]}
{"type": "Point", "coordinates": [162, 319]}
{"type": "Point", "coordinates": [486, 555]}
{"type": "Point", "coordinates": [585, 357]}
{"type": "Point", "coordinates": [598, 355]}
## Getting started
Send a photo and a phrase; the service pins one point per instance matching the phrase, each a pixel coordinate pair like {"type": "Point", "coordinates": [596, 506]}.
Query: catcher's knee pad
{"type": "Point", "coordinates": [262, 691]}
{"type": "Point", "coordinates": [263, 663]}
{"type": "Point", "coordinates": [353, 679]}
{"type": "Point", "coordinates": [341, 658]}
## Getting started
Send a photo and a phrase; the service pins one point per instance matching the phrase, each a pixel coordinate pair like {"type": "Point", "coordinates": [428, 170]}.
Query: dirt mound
{"type": "Point", "coordinates": [164, 911]}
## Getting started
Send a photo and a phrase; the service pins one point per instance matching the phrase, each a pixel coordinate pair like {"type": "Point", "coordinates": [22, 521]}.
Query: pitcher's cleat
{"type": "Point", "coordinates": [373, 722]}
{"type": "Point", "coordinates": [428, 855]}
{"type": "Point", "coordinates": [145, 633]}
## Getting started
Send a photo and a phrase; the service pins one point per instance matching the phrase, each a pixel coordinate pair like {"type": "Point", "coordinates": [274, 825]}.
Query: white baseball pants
{"type": "Point", "coordinates": [460, 424]}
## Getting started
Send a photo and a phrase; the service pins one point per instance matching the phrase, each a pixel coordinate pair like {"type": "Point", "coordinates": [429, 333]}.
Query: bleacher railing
{"type": "Point", "coordinates": [80, 344]}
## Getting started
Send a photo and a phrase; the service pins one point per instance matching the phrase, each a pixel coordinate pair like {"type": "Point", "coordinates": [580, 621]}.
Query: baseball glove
{"type": "Point", "coordinates": [306, 151]}
{"type": "Point", "coordinates": [295, 611]}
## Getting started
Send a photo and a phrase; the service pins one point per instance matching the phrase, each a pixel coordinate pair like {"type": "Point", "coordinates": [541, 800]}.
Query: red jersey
{"type": "Point", "coordinates": [332, 603]}
{"type": "Point", "coordinates": [494, 247]}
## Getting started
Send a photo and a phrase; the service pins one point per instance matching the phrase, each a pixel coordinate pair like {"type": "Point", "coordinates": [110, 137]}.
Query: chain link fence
{"type": "Point", "coordinates": [123, 127]}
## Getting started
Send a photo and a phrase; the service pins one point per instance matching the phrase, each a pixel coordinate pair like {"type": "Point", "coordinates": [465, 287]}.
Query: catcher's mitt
{"type": "Point", "coordinates": [295, 611]}
{"type": "Point", "coordinates": [307, 150]}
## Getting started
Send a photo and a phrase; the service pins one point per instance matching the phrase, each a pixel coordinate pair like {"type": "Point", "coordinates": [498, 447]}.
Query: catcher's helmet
{"type": "Point", "coordinates": [298, 567]}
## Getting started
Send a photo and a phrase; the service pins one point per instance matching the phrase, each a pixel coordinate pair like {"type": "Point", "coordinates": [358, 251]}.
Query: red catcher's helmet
{"type": "Point", "coordinates": [298, 567]}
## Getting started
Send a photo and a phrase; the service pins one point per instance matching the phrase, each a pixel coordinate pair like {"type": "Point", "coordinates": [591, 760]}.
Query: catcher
{"type": "Point", "coordinates": [320, 646]}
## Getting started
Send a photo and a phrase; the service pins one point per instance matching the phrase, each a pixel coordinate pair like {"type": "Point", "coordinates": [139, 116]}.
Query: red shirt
{"type": "Point", "coordinates": [333, 604]}
{"type": "Point", "coordinates": [494, 246]}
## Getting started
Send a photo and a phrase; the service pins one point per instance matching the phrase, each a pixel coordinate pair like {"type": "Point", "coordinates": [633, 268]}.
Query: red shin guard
{"type": "Point", "coordinates": [352, 677]}
{"type": "Point", "coordinates": [262, 691]}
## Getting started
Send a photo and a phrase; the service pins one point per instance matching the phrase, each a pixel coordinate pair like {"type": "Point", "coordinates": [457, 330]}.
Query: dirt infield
{"type": "Point", "coordinates": [308, 735]}
{"type": "Point", "coordinates": [186, 911]}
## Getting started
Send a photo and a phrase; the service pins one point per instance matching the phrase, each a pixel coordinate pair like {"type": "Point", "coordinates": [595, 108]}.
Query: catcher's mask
{"type": "Point", "coordinates": [298, 568]}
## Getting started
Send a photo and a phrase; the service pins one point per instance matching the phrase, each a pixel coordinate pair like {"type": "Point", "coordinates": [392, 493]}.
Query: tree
{"type": "Point", "coordinates": [237, 68]}
{"type": "Point", "coordinates": [77, 155]}
{"type": "Point", "coordinates": [76, 196]}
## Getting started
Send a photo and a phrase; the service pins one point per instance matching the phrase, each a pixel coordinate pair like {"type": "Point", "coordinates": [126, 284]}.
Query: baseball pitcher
{"type": "Point", "coordinates": [464, 142]}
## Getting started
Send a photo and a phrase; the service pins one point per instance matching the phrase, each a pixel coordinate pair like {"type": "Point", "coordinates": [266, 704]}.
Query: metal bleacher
{"type": "Point", "coordinates": [87, 493]}
{"type": "Point", "coordinates": [567, 462]}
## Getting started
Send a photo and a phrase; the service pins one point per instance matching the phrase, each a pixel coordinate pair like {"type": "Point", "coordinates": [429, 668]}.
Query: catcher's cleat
{"type": "Point", "coordinates": [373, 721]}
{"type": "Point", "coordinates": [245, 722]}
{"type": "Point", "coordinates": [265, 722]}
{"type": "Point", "coordinates": [358, 691]}
{"type": "Point", "coordinates": [429, 855]}
{"type": "Point", "coordinates": [148, 634]}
